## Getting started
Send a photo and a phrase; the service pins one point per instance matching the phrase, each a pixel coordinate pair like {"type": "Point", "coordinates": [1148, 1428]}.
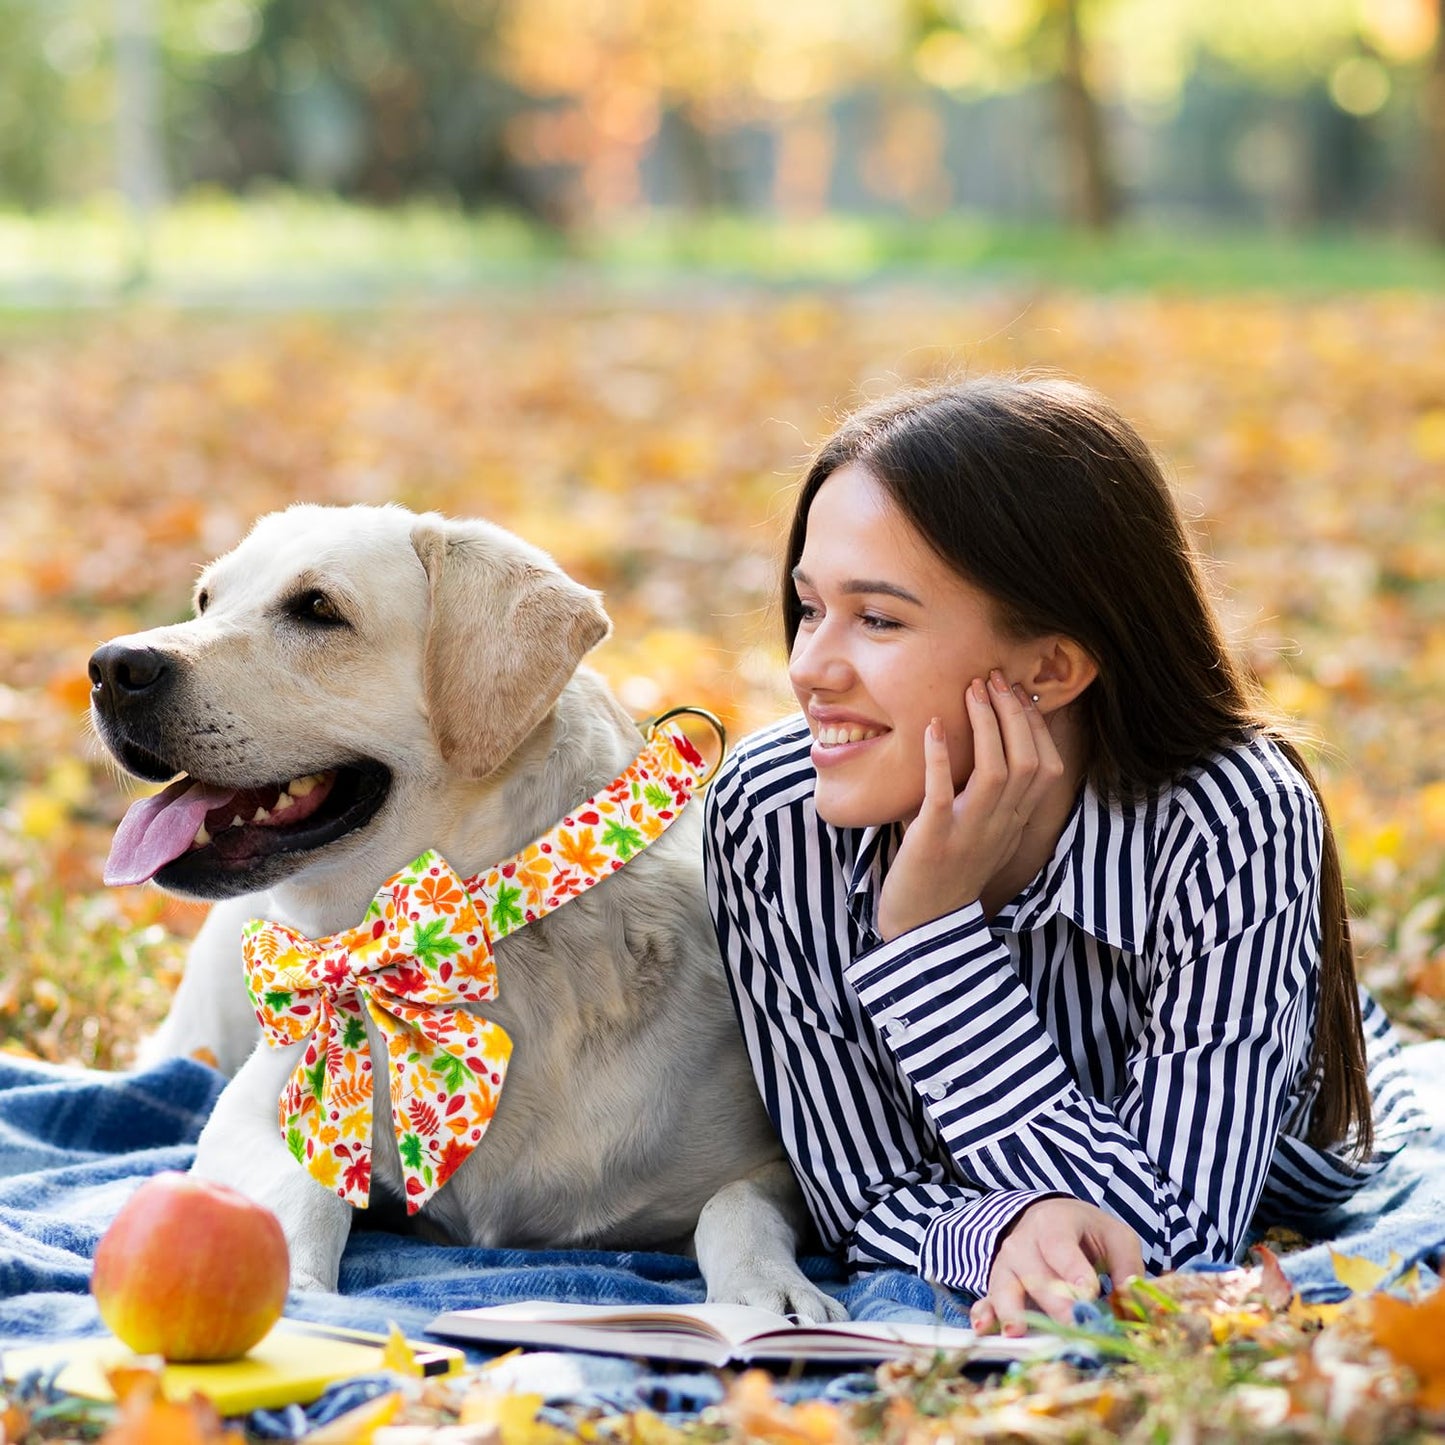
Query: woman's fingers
{"type": "Point", "coordinates": [1068, 1263]}
{"type": "Point", "coordinates": [1020, 745]}
{"type": "Point", "coordinates": [1050, 764]}
{"type": "Point", "coordinates": [1007, 1296]}
{"type": "Point", "coordinates": [1122, 1255]}
{"type": "Point", "coordinates": [937, 768]}
{"type": "Point", "coordinates": [990, 765]}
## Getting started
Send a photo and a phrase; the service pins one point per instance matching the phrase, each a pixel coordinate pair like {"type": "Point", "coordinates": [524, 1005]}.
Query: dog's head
{"type": "Point", "coordinates": [338, 657]}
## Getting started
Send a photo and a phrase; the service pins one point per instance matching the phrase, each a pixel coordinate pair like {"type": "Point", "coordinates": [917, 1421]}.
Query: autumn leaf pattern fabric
{"type": "Point", "coordinates": [417, 964]}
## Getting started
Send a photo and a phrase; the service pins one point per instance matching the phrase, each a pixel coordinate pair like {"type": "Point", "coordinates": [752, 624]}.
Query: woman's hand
{"type": "Point", "coordinates": [959, 842]}
{"type": "Point", "coordinates": [1052, 1255]}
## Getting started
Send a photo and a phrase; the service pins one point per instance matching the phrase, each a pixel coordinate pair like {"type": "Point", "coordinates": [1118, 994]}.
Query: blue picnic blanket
{"type": "Point", "coordinates": [74, 1144]}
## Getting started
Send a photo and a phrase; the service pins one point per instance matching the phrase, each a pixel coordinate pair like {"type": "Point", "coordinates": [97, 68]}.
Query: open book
{"type": "Point", "coordinates": [718, 1334]}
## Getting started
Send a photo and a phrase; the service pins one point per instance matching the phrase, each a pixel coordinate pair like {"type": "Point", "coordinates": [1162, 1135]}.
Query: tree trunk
{"type": "Point", "coordinates": [1433, 137]}
{"type": "Point", "coordinates": [1094, 202]}
{"type": "Point", "coordinates": [139, 151]}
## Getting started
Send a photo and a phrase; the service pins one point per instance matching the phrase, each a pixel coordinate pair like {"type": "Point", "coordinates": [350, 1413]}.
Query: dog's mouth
{"type": "Point", "coordinates": [196, 837]}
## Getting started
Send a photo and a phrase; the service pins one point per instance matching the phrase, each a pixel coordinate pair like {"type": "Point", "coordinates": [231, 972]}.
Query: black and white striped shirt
{"type": "Point", "coordinates": [1134, 1029]}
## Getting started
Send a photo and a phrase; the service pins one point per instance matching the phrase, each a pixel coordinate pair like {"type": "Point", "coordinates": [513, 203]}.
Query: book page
{"type": "Point", "coordinates": [722, 1323]}
{"type": "Point", "coordinates": [890, 1339]}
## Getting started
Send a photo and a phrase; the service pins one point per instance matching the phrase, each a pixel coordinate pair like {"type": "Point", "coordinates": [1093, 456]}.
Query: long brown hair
{"type": "Point", "coordinates": [1042, 495]}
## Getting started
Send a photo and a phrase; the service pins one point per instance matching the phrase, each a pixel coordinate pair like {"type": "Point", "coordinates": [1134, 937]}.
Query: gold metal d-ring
{"type": "Point", "coordinates": [711, 719]}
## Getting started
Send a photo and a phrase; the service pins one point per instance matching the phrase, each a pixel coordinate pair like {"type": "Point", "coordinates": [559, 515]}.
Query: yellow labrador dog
{"type": "Point", "coordinates": [406, 682]}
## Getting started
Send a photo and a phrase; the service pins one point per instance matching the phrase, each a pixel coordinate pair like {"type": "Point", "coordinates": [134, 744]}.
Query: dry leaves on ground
{"type": "Point", "coordinates": [652, 448]}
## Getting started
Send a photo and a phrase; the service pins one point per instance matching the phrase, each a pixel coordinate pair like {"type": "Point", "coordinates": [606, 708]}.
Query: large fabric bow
{"type": "Point", "coordinates": [417, 961]}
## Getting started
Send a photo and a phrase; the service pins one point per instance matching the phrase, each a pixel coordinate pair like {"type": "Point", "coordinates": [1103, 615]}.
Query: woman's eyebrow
{"type": "Point", "coordinates": [865, 584]}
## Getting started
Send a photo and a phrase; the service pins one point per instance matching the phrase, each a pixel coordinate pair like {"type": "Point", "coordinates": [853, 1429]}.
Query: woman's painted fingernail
{"type": "Point", "coordinates": [935, 729]}
{"type": "Point", "coordinates": [1000, 683]}
{"type": "Point", "coordinates": [979, 691]}
{"type": "Point", "coordinates": [1023, 697]}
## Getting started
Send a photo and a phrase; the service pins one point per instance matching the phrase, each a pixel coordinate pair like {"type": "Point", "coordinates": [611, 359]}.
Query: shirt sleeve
{"type": "Point", "coordinates": [844, 1127]}
{"type": "Point", "coordinates": [1181, 1153]}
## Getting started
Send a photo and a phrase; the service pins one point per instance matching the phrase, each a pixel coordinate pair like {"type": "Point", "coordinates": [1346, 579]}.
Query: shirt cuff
{"type": "Point", "coordinates": [959, 1247]}
{"type": "Point", "coordinates": [882, 973]}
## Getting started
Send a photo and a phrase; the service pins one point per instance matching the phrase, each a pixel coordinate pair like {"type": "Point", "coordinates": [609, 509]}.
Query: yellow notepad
{"type": "Point", "coordinates": [294, 1364]}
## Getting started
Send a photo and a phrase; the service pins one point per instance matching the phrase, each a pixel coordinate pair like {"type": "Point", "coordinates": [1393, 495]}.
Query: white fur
{"type": "Point", "coordinates": [629, 1116]}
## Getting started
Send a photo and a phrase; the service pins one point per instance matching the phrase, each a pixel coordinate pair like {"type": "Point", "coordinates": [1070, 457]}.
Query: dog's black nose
{"type": "Point", "coordinates": [123, 673]}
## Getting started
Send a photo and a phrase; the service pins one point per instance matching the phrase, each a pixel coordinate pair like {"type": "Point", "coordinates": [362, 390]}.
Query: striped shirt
{"type": "Point", "coordinates": [1134, 1029]}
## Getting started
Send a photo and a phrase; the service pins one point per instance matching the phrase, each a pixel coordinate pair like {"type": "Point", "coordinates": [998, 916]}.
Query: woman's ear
{"type": "Point", "coordinates": [1062, 670]}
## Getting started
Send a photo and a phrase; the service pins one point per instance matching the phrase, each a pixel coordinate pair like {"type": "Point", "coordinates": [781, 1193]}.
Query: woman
{"type": "Point", "coordinates": [1033, 919]}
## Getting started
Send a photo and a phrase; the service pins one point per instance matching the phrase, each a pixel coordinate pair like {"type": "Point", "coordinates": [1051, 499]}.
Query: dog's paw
{"type": "Point", "coordinates": [303, 1281]}
{"type": "Point", "coordinates": [782, 1289]}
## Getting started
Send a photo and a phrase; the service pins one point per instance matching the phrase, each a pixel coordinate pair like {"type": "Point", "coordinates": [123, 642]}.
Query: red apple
{"type": "Point", "coordinates": [191, 1270]}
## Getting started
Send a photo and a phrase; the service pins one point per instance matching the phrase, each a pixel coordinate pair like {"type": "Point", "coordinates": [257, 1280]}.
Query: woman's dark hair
{"type": "Point", "coordinates": [1042, 495]}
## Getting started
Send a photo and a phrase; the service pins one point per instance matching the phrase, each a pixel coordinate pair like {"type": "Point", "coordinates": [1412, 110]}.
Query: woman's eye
{"type": "Point", "coordinates": [874, 623]}
{"type": "Point", "coordinates": [808, 612]}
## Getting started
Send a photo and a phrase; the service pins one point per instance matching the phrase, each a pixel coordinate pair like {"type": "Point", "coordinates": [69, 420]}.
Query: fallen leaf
{"type": "Point", "coordinates": [514, 1415]}
{"type": "Point", "coordinates": [757, 1414]}
{"type": "Point", "coordinates": [398, 1356]}
{"type": "Point", "coordinates": [1414, 1333]}
{"type": "Point", "coordinates": [147, 1418]}
{"type": "Point", "coordinates": [1274, 1285]}
{"type": "Point", "coordinates": [1360, 1275]}
{"type": "Point", "coordinates": [359, 1426]}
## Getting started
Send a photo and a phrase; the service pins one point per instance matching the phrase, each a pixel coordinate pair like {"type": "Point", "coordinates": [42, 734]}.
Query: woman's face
{"type": "Point", "coordinates": [890, 638]}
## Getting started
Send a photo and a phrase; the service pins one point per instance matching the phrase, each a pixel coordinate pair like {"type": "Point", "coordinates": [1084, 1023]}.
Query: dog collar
{"type": "Point", "coordinates": [422, 954]}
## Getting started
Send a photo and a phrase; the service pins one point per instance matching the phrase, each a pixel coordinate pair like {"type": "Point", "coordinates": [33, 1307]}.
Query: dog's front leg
{"type": "Point", "coordinates": [747, 1246]}
{"type": "Point", "coordinates": [241, 1145]}
{"type": "Point", "coordinates": [210, 1017]}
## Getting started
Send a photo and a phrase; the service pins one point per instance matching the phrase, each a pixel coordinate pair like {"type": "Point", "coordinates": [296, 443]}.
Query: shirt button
{"type": "Point", "coordinates": [938, 1090]}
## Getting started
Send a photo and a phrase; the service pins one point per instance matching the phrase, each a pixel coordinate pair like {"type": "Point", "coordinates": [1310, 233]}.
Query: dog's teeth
{"type": "Point", "coordinates": [238, 821]}
{"type": "Point", "coordinates": [283, 802]}
{"type": "Point", "coordinates": [261, 816]}
{"type": "Point", "coordinates": [299, 787]}
{"type": "Point", "coordinates": [202, 837]}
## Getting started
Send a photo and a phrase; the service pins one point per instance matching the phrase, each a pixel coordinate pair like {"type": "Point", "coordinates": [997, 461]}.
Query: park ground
{"type": "Point", "coordinates": [644, 417]}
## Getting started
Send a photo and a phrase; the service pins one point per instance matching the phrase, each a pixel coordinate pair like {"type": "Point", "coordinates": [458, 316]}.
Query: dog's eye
{"type": "Point", "coordinates": [203, 600]}
{"type": "Point", "coordinates": [317, 607]}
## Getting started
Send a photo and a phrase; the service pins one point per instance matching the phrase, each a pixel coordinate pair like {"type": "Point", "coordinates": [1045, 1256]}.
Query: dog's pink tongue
{"type": "Point", "coordinates": [160, 828]}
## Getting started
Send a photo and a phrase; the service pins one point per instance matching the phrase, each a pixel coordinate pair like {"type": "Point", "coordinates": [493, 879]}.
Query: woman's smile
{"type": "Point", "coordinates": [834, 743]}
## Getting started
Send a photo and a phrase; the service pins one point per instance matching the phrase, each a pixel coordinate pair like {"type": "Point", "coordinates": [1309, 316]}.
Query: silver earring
{"type": "Point", "coordinates": [1034, 695]}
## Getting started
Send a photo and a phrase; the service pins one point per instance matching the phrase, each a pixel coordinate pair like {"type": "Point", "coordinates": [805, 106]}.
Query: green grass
{"type": "Point", "coordinates": [281, 248]}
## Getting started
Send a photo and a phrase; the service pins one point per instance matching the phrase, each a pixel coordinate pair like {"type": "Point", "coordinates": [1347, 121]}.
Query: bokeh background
{"type": "Point", "coordinates": [605, 270]}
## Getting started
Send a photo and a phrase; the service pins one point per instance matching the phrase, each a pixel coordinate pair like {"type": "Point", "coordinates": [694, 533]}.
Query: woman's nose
{"type": "Point", "coordinates": [818, 663]}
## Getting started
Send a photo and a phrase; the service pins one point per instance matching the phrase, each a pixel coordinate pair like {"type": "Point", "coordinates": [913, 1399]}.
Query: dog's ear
{"type": "Point", "coordinates": [507, 630]}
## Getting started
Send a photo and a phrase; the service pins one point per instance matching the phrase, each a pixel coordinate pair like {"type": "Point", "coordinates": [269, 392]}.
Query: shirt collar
{"type": "Point", "coordinates": [872, 851]}
{"type": "Point", "coordinates": [1097, 876]}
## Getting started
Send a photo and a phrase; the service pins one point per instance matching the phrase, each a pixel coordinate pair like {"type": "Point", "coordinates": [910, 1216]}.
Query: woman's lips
{"type": "Point", "coordinates": [839, 742]}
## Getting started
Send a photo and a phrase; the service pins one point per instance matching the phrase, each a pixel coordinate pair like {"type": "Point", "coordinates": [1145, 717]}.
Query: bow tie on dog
{"type": "Point", "coordinates": [422, 954]}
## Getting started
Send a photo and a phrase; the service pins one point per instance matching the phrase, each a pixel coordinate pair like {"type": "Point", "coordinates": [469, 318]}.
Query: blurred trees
{"type": "Point", "coordinates": [1434, 127]}
{"type": "Point", "coordinates": [372, 98]}
{"type": "Point", "coordinates": [139, 127]}
{"type": "Point", "coordinates": [1285, 110]}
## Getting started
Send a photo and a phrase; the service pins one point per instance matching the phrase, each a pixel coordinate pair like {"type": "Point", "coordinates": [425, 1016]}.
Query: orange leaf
{"type": "Point", "coordinates": [1415, 1335]}
{"type": "Point", "coordinates": [1274, 1285]}
{"type": "Point", "coordinates": [148, 1418]}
